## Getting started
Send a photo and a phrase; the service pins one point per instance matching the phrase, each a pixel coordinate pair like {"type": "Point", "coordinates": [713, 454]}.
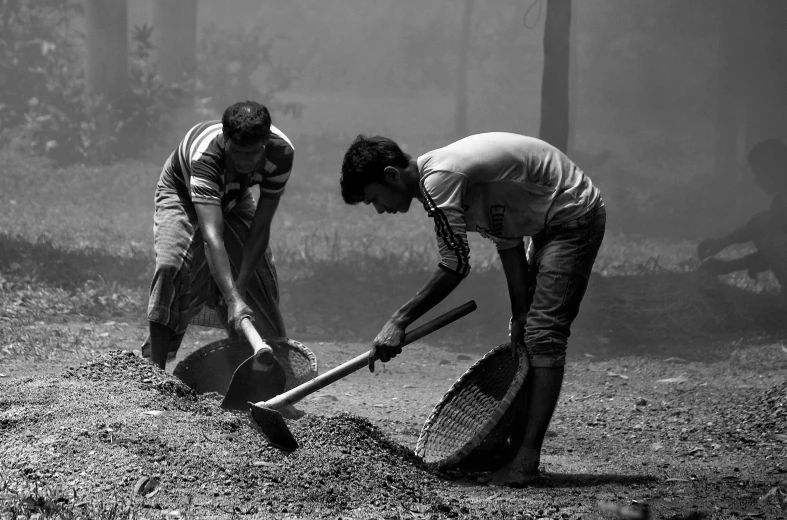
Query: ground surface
{"type": "Point", "coordinates": [683, 437]}
{"type": "Point", "coordinates": [674, 394]}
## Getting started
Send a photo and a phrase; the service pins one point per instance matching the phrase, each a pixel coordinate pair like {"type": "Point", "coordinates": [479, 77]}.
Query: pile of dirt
{"type": "Point", "coordinates": [346, 460]}
{"type": "Point", "coordinates": [768, 414]}
{"type": "Point", "coordinates": [103, 429]}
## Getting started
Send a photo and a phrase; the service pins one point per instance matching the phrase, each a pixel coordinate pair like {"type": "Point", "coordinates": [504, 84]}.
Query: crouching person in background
{"type": "Point", "coordinates": [505, 187]}
{"type": "Point", "coordinates": [211, 237]}
{"type": "Point", "coordinates": [766, 230]}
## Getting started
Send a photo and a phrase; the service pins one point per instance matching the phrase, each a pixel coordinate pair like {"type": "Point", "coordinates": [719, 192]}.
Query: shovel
{"type": "Point", "coordinates": [265, 416]}
{"type": "Point", "coordinates": [262, 370]}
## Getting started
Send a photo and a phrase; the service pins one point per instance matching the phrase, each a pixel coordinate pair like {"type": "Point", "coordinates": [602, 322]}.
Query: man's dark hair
{"type": "Point", "coordinates": [364, 163]}
{"type": "Point", "coordinates": [246, 122]}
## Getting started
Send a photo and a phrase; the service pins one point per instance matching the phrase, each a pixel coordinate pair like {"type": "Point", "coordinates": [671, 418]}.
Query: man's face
{"type": "Point", "coordinates": [387, 198]}
{"type": "Point", "coordinates": [246, 158]}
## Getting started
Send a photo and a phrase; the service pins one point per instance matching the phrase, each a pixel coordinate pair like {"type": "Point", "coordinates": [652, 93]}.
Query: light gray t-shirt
{"type": "Point", "coordinates": [504, 186]}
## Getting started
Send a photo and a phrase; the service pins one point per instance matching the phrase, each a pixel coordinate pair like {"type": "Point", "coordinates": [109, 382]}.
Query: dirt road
{"type": "Point", "coordinates": [679, 436]}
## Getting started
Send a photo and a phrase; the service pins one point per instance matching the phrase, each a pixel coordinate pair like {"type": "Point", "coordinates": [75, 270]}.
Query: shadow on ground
{"type": "Point", "coordinates": [575, 480]}
{"type": "Point", "coordinates": [572, 480]}
{"type": "Point", "coordinates": [691, 315]}
{"type": "Point", "coordinates": [70, 269]}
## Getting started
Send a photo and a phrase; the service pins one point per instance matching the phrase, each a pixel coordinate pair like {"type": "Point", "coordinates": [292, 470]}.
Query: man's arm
{"type": "Point", "coordinates": [514, 262]}
{"type": "Point", "coordinates": [257, 241]}
{"type": "Point", "coordinates": [760, 224]}
{"type": "Point", "coordinates": [211, 222]}
{"type": "Point", "coordinates": [388, 342]}
{"type": "Point", "coordinates": [440, 285]}
{"type": "Point", "coordinates": [443, 193]}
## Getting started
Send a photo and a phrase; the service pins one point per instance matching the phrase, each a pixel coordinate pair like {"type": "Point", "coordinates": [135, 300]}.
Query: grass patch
{"type": "Point", "coordinates": [49, 504]}
{"type": "Point", "coordinates": [78, 242]}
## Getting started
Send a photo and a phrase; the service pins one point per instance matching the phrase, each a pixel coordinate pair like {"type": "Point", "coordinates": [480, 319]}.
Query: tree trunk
{"type": "Point", "coordinates": [175, 38]}
{"type": "Point", "coordinates": [106, 70]}
{"type": "Point", "coordinates": [462, 70]}
{"type": "Point", "coordinates": [555, 79]}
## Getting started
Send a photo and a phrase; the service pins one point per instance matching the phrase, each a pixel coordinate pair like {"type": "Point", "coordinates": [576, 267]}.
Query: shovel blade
{"type": "Point", "coordinates": [271, 424]}
{"type": "Point", "coordinates": [258, 378]}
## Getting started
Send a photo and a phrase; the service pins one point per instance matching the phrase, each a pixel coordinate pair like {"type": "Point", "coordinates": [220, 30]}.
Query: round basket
{"type": "Point", "coordinates": [210, 368]}
{"type": "Point", "coordinates": [477, 425]}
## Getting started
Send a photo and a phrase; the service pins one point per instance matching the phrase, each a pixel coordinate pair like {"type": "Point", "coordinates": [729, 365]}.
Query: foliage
{"type": "Point", "coordinates": [36, 51]}
{"type": "Point", "coordinates": [49, 503]}
{"type": "Point", "coordinates": [44, 108]}
{"type": "Point", "coordinates": [72, 127]}
{"type": "Point", "coordinates": [242, 64]}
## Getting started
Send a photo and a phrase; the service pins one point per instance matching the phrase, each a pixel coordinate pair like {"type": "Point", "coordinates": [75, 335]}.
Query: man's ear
{"type": "Point", "coordinates": [392, 174]}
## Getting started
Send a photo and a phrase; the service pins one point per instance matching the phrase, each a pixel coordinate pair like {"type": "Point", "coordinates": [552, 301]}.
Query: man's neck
{"type": "Point", "coordinates": [413, 179]}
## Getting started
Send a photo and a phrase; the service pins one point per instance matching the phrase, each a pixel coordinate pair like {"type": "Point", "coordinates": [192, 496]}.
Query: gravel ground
{"type": "Point", "coordinates": [683, 438]}
{"type": "Point", "coordinates": [109, 424]}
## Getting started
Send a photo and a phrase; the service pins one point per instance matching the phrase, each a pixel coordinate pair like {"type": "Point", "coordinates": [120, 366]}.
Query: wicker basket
{"type": "Point", "coordinates": [477, 425]}
{"type": "Point", "coordinates": [210, 368]}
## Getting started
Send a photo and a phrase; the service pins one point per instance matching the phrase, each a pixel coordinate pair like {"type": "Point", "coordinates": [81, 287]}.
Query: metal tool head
{"type": "Point", "coordinates": [271, 424]}
{"type": "Point", "coordinates": [258, 378]}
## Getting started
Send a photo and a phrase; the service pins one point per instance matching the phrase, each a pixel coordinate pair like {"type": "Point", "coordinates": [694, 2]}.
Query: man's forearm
{"type": "Point", "coordinates": [760, 224]}
{"type": "Point", "coordinates": [440, 285]}
{"type": "Point", "coordinates": [219, 263]}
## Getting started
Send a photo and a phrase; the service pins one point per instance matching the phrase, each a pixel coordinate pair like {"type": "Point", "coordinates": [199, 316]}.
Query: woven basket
{"type": "Point", "coordinates": [210, 368]}
{"type": "Point", "coordinates": [477, 425]}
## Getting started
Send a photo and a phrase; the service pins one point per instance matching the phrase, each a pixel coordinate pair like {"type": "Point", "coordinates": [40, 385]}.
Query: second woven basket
{"type": "Point", "coordinates": [210, 368]}
{"type": "Point", "coordinates": [477, 425]}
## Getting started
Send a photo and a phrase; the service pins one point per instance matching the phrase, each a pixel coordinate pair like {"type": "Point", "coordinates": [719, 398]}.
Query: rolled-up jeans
{"type": "Point", "coordinates": [560, 259]}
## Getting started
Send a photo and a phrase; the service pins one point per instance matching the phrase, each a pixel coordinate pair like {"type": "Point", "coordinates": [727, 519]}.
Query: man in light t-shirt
{"type": "Point", "coordinates": [504, 186]}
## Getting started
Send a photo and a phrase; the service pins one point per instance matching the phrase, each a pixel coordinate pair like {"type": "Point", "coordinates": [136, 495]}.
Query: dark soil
{"type": "Point", "coordinates": [709, 440]}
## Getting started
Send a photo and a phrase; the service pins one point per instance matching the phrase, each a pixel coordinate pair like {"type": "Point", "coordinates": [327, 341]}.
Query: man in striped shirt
{"type": "Point", "coordinates": [210, 236]}
{"type": "Point", "coordinates": [504, 186]}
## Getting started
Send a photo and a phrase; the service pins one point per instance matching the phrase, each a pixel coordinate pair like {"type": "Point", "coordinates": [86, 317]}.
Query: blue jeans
{"type": "Point", "coordinates": [560, 260]}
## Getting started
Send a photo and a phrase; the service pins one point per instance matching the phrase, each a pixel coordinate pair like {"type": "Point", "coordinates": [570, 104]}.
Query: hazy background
{"type": "Point", "coordinates": [656, 85]}
{"type": "Point", "coordinates": [666, 98]}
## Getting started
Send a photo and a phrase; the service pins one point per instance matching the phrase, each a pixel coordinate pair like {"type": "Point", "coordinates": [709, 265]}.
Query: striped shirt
{"type": "Point", "coordinates": [503, 186]}
{"type": "Point", "coordinates": [199, 168]}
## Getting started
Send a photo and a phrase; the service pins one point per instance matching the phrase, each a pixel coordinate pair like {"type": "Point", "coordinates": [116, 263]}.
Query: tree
{"type": "Point", "coordinates": [555, 80]}
{"type": "Point", "coordinates": [462, 69]}
{"type": "Point", "coordinates": [175, 38]}
{"type": "Point", "coordinates": [106, 70]}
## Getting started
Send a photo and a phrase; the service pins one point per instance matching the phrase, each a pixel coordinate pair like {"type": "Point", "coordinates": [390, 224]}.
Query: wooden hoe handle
{"type": "Point", "coordinates": [253, 336]}
{"type": "Point", "coordinates": [323, 380]}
